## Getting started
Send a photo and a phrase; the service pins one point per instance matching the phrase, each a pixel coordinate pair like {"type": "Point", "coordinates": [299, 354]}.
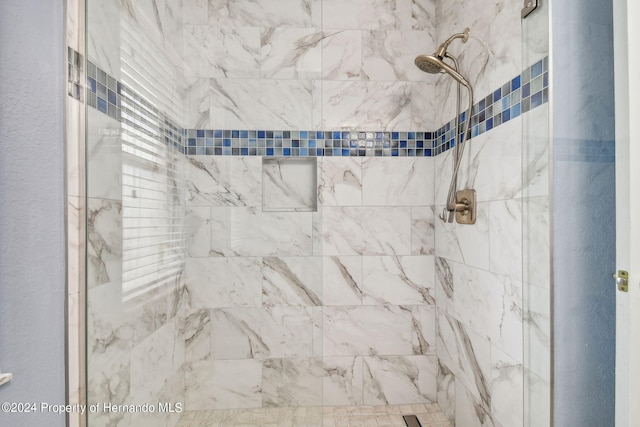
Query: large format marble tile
{"type": "Point", "coordinates": [424, 102]}
{"type": "Point", "coordinates": [467, 356]}
{"type": "Point", "coordinates": [342, 278]}
{"type": "Point", "coordinates": [197, 335]}
{"type": "Point", "coordinates": [224, 181]}
{"type": "Point", "coordinates": [104, 241]}
{"type": "Point", "coordinates": [397, 181]}
{"type": "Point", "coordinates": [536, 241]}
{"type": "Point", "coordinates": [197, 103]}
{"type": "Point", "coordinates": [423, 328]}
{"type": "Point", "coordinates": [109, 342]}
{"type": "Point", "coordinates": [135, 349]}
{"type": "Point", "coordinates": [401, 280]}
{"type": "Point", "coordinates": [260, 104]}
{"type": "Point", "coordinates": [505, 39]}
{"type": "Point", "coordinates": [103, 41]}
{"type": "Point", "coordinates": [535, 152]}
{"type": "Point", "coordinates": [171, 394]}
{"type": "Point", "coordinates": [366, 231]}
{"type": "Point", "coordinates": [492, 163]}
{"type": "Point", "coordinates": [269, 332]}
{"type": "Point", "coordinates": [389, 55]}
{"type": "Point", "coordinates": [250, 232]}
{"type": "Point", "coordinates": [291, 53]}
{"type": "Point", "coordinates": [423, 230]}
{"type": "Point", "coordinates": [371, 15]}
{"type": "Point", "coordinates": [292, 382]}
{"type": "Point", "coordinates": [195, 12]}
{"type": "Point", "coordinates": [342, 55]}
{"type": "Point", "coordinates": [399, 379]}
{"type": "Point", "coordinates": [363, 330]}
{"type": "Point", "coordinates": [445, 285]}
{"type": "Point", "coordinates": [339, 181]}
{"type": "Point", "coordinates": [506, 389]}
{"type": "Point", "coordinates": [366, 105]}
{"type": "Point", "coordinates": [214, 51]}
{"type": "Point", "coordinates": [104, 156]}
{"type": "Point", "coordinates": [446, 391]}
{"type": "Point", "coordinates": [491, 306]}
{"type": "Point", "coordinates": [292, 281]}
{"type": "Point", "coordinates": [537, 331]}
{"type": "Point", "coordinates": [423, 15]}
{"type": "Point", "coordinates": [505, 238]}
{"type": "Point", "coordinates": [470, 411]}
{"type": "Point", "coordinates": [197, 231]}
{"type": "Point", "coordinates": [342, 381]}
{"type": "Point", "coordinates": [115, 325]}
{"type": "Point", "coordinates": [267, 13]}
{"type": "Point", "coordinates": [154, 361]}
{"type": "Point", "coordinates": [475, 55]}
{"type": "Point", "coordinates": [224, 282]}
{"type": "Point", "coordinates": [228, 384]}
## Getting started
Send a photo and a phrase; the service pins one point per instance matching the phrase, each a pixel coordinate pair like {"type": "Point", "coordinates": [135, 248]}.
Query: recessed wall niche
{"type": "Point", "coordinates": [289, 184]}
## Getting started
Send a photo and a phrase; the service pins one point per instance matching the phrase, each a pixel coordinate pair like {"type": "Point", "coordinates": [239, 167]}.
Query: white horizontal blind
{"type": "Point", "coordinates": [152, 196]}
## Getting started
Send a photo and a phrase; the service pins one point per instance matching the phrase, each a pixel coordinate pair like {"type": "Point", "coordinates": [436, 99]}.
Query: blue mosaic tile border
{"type": "Point", "coordinates": [307, 143]}
{"type": "Point", "coordinates": [122, 103]}
{"type": "Point", "coordinates": [517, 96]}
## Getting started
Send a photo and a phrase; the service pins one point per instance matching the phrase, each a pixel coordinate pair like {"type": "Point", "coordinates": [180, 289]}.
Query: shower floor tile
{"type": "Point", "coordinates": [429, 415]}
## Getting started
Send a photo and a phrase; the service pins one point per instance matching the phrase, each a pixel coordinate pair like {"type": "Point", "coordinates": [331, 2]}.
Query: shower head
{"type": "Point", "coordinates": [433, 65]}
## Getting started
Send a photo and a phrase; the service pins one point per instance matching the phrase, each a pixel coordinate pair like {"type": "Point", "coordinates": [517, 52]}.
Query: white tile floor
{"type": "Point", "coordinates": [429, 415]}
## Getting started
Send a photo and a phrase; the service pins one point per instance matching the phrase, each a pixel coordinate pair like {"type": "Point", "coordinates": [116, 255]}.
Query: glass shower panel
{"type": "Point", "coordinates": [255, 251]}
{"type": "Point", "coordinates": [536, 249]}
{"type": "Point", "coordinates": [135, 216]}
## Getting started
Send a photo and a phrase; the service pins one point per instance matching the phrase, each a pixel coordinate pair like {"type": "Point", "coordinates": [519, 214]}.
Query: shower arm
{"type": "Point", "coordinates": [452, 205]}
{"type": "Point", "coordinates": [442, 50]}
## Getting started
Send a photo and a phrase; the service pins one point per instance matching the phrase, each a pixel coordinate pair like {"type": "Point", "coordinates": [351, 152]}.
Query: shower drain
{"type": "Point", "coordinates": [411, 421]}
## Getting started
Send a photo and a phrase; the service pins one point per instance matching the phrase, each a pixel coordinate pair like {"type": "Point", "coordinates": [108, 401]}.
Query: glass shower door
{"type": "Point", "coordinates": [536, 248]}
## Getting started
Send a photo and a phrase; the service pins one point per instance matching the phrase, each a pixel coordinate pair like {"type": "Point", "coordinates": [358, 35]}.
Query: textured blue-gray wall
{"type": "Point", "coordinates": [583, 213]}
{"type": "Point", "coordinates": [32, 222]}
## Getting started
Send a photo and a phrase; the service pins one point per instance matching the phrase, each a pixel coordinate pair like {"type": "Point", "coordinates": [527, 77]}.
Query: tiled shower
{"type": "Point", "coordinates": [263, 184]}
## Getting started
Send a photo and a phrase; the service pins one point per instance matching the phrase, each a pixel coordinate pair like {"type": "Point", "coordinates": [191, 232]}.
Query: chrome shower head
{"type": "Point", "coordinates": [434, 65]}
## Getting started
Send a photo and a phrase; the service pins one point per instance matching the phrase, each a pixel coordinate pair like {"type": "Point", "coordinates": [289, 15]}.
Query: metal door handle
{"type": "Point", "coordinates": [622, 280]}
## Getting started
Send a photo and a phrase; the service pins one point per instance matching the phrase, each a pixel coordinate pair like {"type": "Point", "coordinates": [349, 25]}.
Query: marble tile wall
{"type": "Point", "coordinates": [368, 299]}
{"type": "Point", "coordinates": [491, 56]}
{"type": "Point", "coordinates": [135, 342]}
{"type": "Point", "coordinates": [139, 43]}
{"type": "Point", "coordinates": [479, 287]}
{"type": "Point", "coordinates": [135, 315]}
{"type": "Point", "coordinates": [333, 306]}
{"type": "Point", "coordinates": [480, 282]}
{"type": "Point", "coordinates": [318, 64]}
{"type": "Point", "coordinates": [483, 292]}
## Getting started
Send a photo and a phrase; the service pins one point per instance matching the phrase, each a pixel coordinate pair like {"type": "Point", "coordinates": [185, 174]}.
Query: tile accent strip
{"type": "Point", "coordinates": [74, 71]}
{"type": "Point", "coordinates": [517, 96]}
{"type": "Point", "coordinates": [122, 103]}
